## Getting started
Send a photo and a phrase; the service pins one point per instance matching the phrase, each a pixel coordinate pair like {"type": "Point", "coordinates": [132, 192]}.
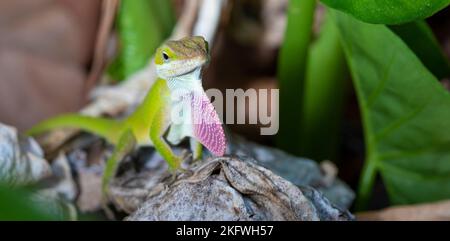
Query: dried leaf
{"type": "Point", "coordinates": [232, 189]}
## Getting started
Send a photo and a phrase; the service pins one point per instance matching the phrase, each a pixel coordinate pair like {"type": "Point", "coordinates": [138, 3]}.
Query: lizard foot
{"type": "Point", "coordinates": [108, 211]}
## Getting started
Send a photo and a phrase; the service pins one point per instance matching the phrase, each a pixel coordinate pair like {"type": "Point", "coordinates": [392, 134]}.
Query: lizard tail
{"type": "Point", "coordinates": [106, 128]}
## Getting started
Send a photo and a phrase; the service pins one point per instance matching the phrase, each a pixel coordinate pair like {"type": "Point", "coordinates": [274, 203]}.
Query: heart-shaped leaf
{"type": "Point", "coordinates": [405, 113]}
{"type": "Point", "coordinates": [420, 39]}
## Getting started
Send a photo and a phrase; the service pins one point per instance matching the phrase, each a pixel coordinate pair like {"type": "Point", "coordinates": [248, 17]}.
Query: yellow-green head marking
{"type": "Point", "coordinates": [180, 57]}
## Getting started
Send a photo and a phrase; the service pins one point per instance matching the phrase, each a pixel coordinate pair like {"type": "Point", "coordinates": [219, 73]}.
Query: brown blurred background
{"type": "Point", "coordinates": [45, 53]}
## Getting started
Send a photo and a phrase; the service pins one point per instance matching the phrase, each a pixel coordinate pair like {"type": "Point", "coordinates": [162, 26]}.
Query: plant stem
{"type": "Point", "coordinates": [326, 82]}
{"type": "Point", "coordinates": [366, 182]}
{"type": "Point", "coordinates": [291, 72]}
{"type": "Point", "coordinates": [163, 12]}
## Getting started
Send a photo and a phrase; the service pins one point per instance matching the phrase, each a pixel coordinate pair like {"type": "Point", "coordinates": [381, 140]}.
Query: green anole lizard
{"type": "Point", "coordinates": [179, 87]}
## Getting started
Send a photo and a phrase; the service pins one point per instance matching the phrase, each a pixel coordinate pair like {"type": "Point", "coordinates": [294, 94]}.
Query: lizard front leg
{"type": "Point", "coordinates": [159, 125]}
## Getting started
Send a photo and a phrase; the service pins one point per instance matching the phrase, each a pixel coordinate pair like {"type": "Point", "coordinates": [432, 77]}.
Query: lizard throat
{"type": "Point", "coordinates": [188, 82]}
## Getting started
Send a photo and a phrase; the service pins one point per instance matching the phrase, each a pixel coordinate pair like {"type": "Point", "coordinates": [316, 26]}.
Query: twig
{"type": "Point", "coordinates": [187, 19]}
{"type": "Point", "coordinates": [208, 19]}
{"type": "Point", "coordinates": [109, 10]}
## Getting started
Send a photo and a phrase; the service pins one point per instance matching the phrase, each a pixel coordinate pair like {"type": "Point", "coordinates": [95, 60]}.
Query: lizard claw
{"type": "Point", "coordinates": [174, 172]}
{"type": "Point", "coordinates": [108, 211]}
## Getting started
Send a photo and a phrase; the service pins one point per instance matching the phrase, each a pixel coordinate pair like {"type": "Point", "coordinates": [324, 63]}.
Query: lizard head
{"type": "Point", "coordinates": [180, 57]}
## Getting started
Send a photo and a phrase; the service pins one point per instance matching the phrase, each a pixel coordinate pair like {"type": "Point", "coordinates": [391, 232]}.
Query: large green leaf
{"type": "Point", "coordinates": [405, 113]}
{"type": "Point", "coordinates": [142, 26]}
{"type": "Point", "coordinates": [420, 38]}
{"type": "Point", "coordinates": [388, 11]}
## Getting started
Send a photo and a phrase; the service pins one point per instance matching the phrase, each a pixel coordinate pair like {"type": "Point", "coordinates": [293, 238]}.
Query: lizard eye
{"type": "Point", "coordinates": [165, 56]}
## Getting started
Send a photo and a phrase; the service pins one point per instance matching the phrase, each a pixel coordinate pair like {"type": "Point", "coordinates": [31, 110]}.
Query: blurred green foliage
{"type": "Point", "coordinates": [326, 83]}
{"type": "Point", "coordinates": [17, 205]}
{"type": "Point", "coordinates": [142, 25]}
{"type": "Point", "coordinates": [312, 77]}
{"type": "Point", "coordinates": [291, 72]}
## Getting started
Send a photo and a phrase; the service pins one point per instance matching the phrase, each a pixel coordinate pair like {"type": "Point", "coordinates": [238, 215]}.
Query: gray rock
{"type": "Point", "coordinates": [22, 162]}
{"type": "Point", "coordinates": [300, 171]}
{"type": "Point", "coordinates": [21, 158]}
